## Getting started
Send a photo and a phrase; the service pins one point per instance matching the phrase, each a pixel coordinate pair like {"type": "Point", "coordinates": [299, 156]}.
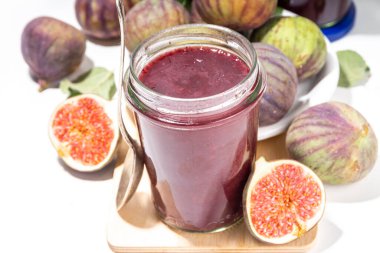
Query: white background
{"type": "Point", "coordinates": [46, 207]}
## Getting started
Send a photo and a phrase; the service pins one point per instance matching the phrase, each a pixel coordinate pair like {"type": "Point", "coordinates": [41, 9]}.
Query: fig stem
{"type": "Point", "coordinates": [43, 85]}
{"type": "Point", "coordinates": [300, 229]}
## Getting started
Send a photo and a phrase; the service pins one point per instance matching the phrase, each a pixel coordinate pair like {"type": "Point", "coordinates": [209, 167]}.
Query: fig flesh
{"type": "Point", "coordinates": [151, 16]}
{"type": "Point", "coordinates": [282, 200]}
{"type": "Point", "coordinates": [334, 140]}
{"type": "Point", "coordinates": [299, 39]}
{"type": "Point", "coordinates": [282, 84]}
{"type": "Point", "coordinates": [83, 132]}
{"type": "Point", "coordinates": [52, 49]}
{"type": "Point", "coordinates": [238, 14]}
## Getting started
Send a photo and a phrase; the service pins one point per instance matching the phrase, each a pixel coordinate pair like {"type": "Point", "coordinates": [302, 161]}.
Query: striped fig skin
{"type": "Point", "coordinates": [299, 39]}
{"type": "Point", "coordinates": [282, 84]}
{"type": "Point", "coordinates": [195, 16]}
{"type": "Point", "coordinates": [99, 18]}
{"type": "Point", "coordinates": [151, 16]}
{"type": "Point", "coordinates": [335, 141]}
{"type": "Point", "coordinates": [238, 14]}
{"type": "Point", "coordinates": [52, 48]}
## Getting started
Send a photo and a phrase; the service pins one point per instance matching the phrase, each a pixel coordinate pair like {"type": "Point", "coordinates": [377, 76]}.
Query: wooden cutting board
{"type": "Point", "coordinates": [136, 228]}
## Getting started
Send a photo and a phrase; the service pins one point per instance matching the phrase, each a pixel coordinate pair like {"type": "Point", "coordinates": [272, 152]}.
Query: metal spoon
{"type": "Point", "coordinates": [132, 167]}
{"type": "Point", "coordinates": [133, 163]}
{"type": "Point", "coordinates": [130, 178]}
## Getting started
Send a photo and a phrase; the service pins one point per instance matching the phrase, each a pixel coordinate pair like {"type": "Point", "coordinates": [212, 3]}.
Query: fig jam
{"type": "Point", "coordinates": [199, 173]}
{"type": "Point", "coordinates": [194, 72]}
{"type": "Point", "coordinates": [195, 91]}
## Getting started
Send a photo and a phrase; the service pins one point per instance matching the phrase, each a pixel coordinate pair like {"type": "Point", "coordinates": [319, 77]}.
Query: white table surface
{"type": "Point", "coordinates": [45, 207]}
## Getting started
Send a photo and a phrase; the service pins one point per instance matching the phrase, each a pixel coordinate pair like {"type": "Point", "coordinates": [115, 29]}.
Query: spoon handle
{"type": "Point", "coordinates": [133, 164]}
{"type": "Point", "coordinates": [130, 178]}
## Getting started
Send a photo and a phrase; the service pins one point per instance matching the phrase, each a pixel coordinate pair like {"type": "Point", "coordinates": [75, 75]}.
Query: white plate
{"type": "Point", "coordinates": [313, 91]}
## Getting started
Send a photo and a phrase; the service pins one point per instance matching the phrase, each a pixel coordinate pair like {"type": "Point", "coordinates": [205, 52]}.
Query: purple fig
{"type": "Point", "coordinates": [194, 15]}
{"type": "Point", "coordinates": [99, 18]}
{"type": "Point", "coordinates": [282, 84]}
{"type": "Point", "coordinates": [52, 49]}
{"type": "Point", "coordinates": [334, 140]}
{"type": "Point", "coordinates": [151, 16]}
{"type": "Point", "coordinates": [238, 14]}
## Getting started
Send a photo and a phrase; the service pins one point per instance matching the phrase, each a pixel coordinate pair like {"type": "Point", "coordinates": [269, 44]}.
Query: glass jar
{"type": "Point", "coordinates": [324, 13]}
{"type": "Point", "coordinates": [198, 151]}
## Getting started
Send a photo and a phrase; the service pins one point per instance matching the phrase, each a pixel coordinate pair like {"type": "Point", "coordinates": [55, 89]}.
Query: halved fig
{"type": "Point", "coordinates": [83, 132]}
{"type": "Point", "coordinates": [282, 200]}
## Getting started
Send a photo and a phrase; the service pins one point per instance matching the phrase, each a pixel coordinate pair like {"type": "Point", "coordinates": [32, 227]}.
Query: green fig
{"type": "Point", "coordinates": [335, 141]}
{"type": "Point", "coordinates": [151, 16]}
{"type": "Point", "coordinates": [238, 14]}
{"type": "Point", "coordinates": [299, 39]}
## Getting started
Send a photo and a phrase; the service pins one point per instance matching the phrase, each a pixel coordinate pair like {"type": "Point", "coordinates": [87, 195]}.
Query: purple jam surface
{"type": "Point", "coordinates": [198, 172]}
{"type": "Point", "coordinates": [194, 72]}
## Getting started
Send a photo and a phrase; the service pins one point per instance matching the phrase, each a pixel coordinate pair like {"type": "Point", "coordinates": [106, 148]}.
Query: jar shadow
{"type": "Point", "coordinates": [140, 211]}
{"type": "Point", "coordinates": [216, 239]}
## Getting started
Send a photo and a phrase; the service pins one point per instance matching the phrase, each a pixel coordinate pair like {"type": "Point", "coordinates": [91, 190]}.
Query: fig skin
{"type": "Point", "coordinates": [53, 49]}
{"type": "Point", "coordinates": [239, 15]}
{"type": "Point", "coordinates": [195, 16]}
{"type": "Point", "coordinates": [99, 18]}
{"type": "Point", "coordinates": [151, 16]}
{"type": "Point", "coordinates": [282, 83]}
{"type": "Point", "coordinates": [334, 140]}
{"type": "Point", "coordinates": [300, 39]}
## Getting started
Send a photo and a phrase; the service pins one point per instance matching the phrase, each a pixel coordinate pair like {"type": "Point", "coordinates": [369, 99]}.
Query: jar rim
{"type": "Point", "coordinates": [237, 92]}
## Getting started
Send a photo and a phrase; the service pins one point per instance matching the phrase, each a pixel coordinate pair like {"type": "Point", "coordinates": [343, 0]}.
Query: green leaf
{"type": "Point", "coordinates": [98, 81]}
{"type": "Point", "coordinates": [278, 11]}
{"type": "Point", "coordinates": [354, 70]}
{"type": "Point", "coordinates": [186, 3]}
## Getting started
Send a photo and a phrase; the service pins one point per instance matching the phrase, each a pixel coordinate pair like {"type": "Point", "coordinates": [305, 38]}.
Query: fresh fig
{"type": "Point", "coordinates": [195, 17]}
{"type": "Point", "coordinates": [299, 39]}
{"type": "Point", "coordinates": [238, 14]}
{"type": "Point", "coordinates": [99, 18]}
{"type": "Point", "coordinates": [83, 132]}
{"type": "Point", "coordinates": [282, 84]}
{"type": "Point", "coordinates": [282, 200]}
{"type": "Point", "coordinates": [151, 16]}
{"type": "Point", "coordinates": [334, 140]}
{"type": "Point", "coordinates": [52, 49]}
